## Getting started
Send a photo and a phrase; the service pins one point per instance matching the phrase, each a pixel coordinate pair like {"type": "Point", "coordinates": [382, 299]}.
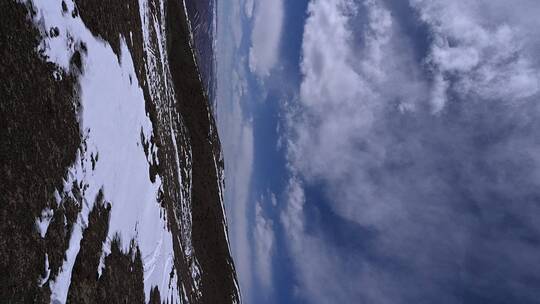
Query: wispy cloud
{"type": "Point", "coordinates": [248, 8]}
{"type": "Point", "coordinates": [264, 242]}
{"type": "Point", "coordinates": [265, 36]}
{"type": "Point", "coordinates": [431, 164]}
{"type": "Point", "coordinates": [487, 54]}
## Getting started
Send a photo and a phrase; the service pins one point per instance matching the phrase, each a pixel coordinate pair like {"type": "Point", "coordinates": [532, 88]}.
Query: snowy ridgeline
{"type": "Point", "coordinates": [112, 118]}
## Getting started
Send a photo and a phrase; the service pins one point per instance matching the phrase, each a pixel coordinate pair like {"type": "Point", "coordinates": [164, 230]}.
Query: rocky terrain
{"type": "Point", "coordinates": [111, 165]}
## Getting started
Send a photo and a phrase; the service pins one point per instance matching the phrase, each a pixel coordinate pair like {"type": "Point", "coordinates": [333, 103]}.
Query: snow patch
{"type": "Point", "coordinates": [42, 222]}
{"type": "Point", "coordinates": [112, 116]}
{"type": "Point", "coordinates": [44, 279]}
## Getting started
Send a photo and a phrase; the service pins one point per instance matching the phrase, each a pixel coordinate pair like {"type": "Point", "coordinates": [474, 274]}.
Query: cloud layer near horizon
{"type": "Point", "coordinates": [420, 122]}
{"type": "Point", "coordinates": [236, 134]}
{"type": "Point", "coordinates": [250, 229]}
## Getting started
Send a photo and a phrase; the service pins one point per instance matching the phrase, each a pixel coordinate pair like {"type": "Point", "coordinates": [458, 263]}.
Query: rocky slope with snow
{"type": "Point", "coordinates": [111, 165]}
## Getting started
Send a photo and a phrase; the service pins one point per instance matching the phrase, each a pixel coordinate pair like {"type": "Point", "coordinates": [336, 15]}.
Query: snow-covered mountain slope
{"type": "Point", "coordinates": [111, 160]}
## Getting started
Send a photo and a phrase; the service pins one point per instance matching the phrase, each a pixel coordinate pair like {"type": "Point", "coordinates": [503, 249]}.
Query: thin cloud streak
{"type": "Point", "coordinates": [265, 36]}
{"type": "Point", "coordinates": [264, 242]}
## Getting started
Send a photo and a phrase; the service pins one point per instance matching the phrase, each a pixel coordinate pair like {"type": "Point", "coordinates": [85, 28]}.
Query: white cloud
{"type": "Point", "coordinates": [292, 218]}
{"type": "Point", "coordinates": [232, 31]}
{"type": "Point", "coordinates": [248, 8]}
{"type": "Point", "coordinates": [265, 36]}
{"type": "Point", "coordinates": [347, 92]}
{"type": "Point", "coordinates": [365, 130]}
{"type": "Point", "coordinates": [273, 199]}
{"type": "Point", "coordinates": [264, 240]}
{"type": "Point", "coordinates": [345, 88]}
{"type": "Point", "coordinates": [488, 54]}
{"type": "Point", "coordinates": [323, 273]}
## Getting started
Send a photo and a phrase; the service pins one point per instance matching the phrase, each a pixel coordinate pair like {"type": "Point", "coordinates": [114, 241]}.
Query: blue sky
{"type": "Point", "coordinates": [382, 151]}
